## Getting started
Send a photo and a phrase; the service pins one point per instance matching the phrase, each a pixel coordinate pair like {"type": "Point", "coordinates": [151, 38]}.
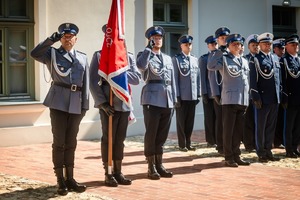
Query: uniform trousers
{"type": "Point", "coordinates": [292, 137]}
{"type": "Point", "coordinates": [185, 116]}
{"type": "Point", "coordinates": [157, 123]}
{"type": "Point", "coordinates": [280, 125]}
{"type": "Point", "coordinates": [219, 126]}
{"type": "Point", "coordinates": [265, 123]}
{"type": "Point", "coordinates": [233, 122]}
{"type": "Point", "coordinates": [65, 127]}
{"type": "Point", "coordinates": [119, 130]}
{"type": "Point", "coordinates": [209, 121]}
{"type": "Point", "coordinates": [249, 128]}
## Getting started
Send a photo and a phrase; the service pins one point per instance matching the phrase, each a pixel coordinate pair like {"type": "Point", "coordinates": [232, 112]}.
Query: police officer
{"type": "Point", "coordinates": [235, 96]}
{"type": "Point", "coordinates": [157, 98]}
{"type": "Point", "coordinates": [207, 99]}
{"type": "Point", "coordinates": [279, 51]}
{"type": "Point", "coordinates": [215, 81]}
{"type": "Point", "coordinates": [68, 99]}
{"type": "Point", "coordinates": [290, 66]}
{"type": "Point", "coordinates": [249, 125]}
{"type": "Point", "coordinates": [187, 77]}
{"type": "Point", "coordinates": [265, 94]}
{"type": "Point", "coordinates": [100, 89]}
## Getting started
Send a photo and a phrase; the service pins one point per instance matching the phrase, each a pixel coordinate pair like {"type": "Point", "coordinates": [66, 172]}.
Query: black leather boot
{"type": "Point", "coordinates": [109, 178]}
{"type": "Point", "coordinates": [71, 183]}
{"type": "Point", "coordinates": [118, 173]}
{"type": "Point", "coordinates": [61, 185]}
{"type": "Point", "coordinates": [160, 168]}
{"type": "Point", "coordinates": [152, 172]}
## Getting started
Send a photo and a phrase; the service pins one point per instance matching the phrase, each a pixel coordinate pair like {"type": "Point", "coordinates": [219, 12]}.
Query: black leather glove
{"type": "Point", "coordinates": [284, 105]}
{"type": "Point", "coordinates": [151, 44]}
{"type": "Point", "coordinates": [178, 103]}
{"type": "Point", "coordinates": [257, 104]}
{"type": "Point", "coordinates": [109, 110]}
{"type": "Point", "coordinates": [205, 98]}
{"type": "Point", "coordinates": [217, 99]}
{"type": "Point", "coordinates": [55, 36]}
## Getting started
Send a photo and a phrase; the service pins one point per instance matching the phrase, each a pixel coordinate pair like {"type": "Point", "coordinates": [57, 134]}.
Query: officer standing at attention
{"type": "Point", "coordinates": [68, 99]}
{"type": "Point", "coordinates": [158, 98]}
{"type": "Point", "coordinates": [215, 81]}
{"type": "Point", "coordinates": [100, 90]}
{"type": "Point", "coordinates": [249, 125]}
{"type": "Point", "coordinates": [290, 67]}
{"type": "Point", "coordinates": [279, 51]}
{"type": "Point", "coordinates": [187, 78]}
{"type": "Point", "coordinates": [265, 94]}
{"type": "Point", "coordinates": [235, 96]}
{"type": "Point", "coordinates": [207, 99]}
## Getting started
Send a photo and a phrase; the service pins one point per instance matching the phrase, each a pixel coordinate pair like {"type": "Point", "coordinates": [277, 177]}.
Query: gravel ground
{"type": "Point", "coordinates": [14, 187]}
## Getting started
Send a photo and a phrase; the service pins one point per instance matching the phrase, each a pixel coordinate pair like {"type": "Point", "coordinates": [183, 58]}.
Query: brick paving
{"type": "Point", "coordinates": [195, 176]}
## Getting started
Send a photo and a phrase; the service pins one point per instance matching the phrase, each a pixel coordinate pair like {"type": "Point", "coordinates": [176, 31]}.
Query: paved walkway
{"type": "Point", "coordinates": [197, 175]}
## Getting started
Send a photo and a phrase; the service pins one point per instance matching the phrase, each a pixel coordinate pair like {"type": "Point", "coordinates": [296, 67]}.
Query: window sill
{"type": "Point", "coordinates": [21, 107]}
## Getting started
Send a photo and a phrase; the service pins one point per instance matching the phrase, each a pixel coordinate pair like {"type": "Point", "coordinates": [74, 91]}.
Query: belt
{"type": "Point", "coordinates": [166, 82]}
{"type": "Point", "coordinates": [72, 87]}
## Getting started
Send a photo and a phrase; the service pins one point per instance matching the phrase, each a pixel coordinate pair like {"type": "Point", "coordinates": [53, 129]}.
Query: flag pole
{"type": "Point", "coordinates": [110, 126]}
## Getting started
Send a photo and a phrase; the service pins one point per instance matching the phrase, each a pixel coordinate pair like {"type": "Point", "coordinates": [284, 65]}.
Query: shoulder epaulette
{"type": "Point", "coordinates": [80, 52]}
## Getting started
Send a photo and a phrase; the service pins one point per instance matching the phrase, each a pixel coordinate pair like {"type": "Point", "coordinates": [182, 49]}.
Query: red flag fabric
{"type": "Point", "coordinates": [114, 62]}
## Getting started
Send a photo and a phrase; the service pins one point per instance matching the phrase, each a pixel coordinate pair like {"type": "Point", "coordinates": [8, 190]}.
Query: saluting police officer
{"type": "Point", "coordinates": [215, 81]}
{"type": "Point", "coordinates": [100, 90]}
{"type": "Point", "coordinates": [68, 99]}
{"type": "Point", "coordinates": [249, 125]}
{"type": "Point", "coordinates": [206, 94]}
{"type": "Point", "coordinates": [158, 98]}
{"type": "Point", "coordinates": [265, 94]}
{"type": "Point", "coordinates": [290, 67]}
{"type": "Point", "coordinates": [187, 78]}
{"type": "Point", "coordinates": [235, 96]}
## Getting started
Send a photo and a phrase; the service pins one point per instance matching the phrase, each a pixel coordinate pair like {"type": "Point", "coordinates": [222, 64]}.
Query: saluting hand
{"type": "Point", "coordinates": [55, 36]}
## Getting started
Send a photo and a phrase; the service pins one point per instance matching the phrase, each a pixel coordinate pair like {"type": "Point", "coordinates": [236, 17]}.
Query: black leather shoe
{"type": "Point", "coordinates": [120, 178]}
{"type": "Point", "coordinates": [190, 148]}
{"type": "Point", "coordinates": [73, 185]}
{"type": "Point", "coordinates": [231, 163]}
{"type": "Point", "coordinates": [242, 162]}
{"type": "Point", "coordinates": [110, 181]}
{"type": "Point", "coordinates": [263, 159]}
{"type": "Point", "coordinates": [183, 149]}
{"type": "Point", "coordinates": [163, 172]}
{"type": "Point", "coordinates": [291, 155]}
{"type": "Point", "coordinates": [297, 153]}
{"type": "Point", "coordinates": [61, 187]}
{"type": "Point", "coordinates": [272, 158]}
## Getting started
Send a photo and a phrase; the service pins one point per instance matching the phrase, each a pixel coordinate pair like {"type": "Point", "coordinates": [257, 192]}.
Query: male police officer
{"type": "Point", "coordinates": [279, 51]}
{"type": "Point", "coordinates": [158, 98]}
{"type": "Point", "coordinates": [187, 77]}
{"type": "Point", "coordinates": [249, 125]}
{"type": "Point", "coordinates": [207, 99]}
{"type": "Point", "coordinates": [265, 94]}
{"type": "Point", "coordinates": [235, 96]}
{"type": "Point", "coordinates": [68, 99]}
{"type": "Point", "coordinates": [100, 89]}
{"type": "Point", "coordinates": [290, 66]}
{"type": "Point", "coordinates": [215, 81]}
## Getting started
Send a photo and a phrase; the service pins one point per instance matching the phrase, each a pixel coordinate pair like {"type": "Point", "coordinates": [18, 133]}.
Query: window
{"type": "Point", "coordinates": [284, 21]}
{"type": "Point", "coordinates": [172, 16]}
{"type": "Point", "coordinates": [16, 38]}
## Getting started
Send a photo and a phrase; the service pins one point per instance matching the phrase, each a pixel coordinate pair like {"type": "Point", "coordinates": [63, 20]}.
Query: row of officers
{"type": "Point", "coordinates": [240, 94]}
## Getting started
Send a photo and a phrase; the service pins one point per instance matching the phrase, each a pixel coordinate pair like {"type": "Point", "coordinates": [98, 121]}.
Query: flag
{"type": "Point", "coordinates": [114, 62]}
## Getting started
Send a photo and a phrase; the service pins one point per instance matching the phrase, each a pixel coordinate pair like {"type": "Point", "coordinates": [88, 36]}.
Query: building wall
{"type": "Point", "coordinates": [25, 124]}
